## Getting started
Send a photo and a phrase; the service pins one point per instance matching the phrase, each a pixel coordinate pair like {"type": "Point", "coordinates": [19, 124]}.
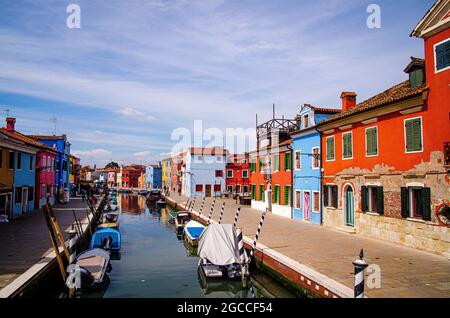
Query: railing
{"type": "Point", "coordinates": [447, 153]}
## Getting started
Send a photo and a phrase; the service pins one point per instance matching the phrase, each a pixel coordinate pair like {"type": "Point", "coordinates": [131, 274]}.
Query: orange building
{"type": "Point", "coordinates": [385, 173]}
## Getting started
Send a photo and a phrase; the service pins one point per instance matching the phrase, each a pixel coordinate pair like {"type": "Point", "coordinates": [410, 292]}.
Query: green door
{"type": "Point", "coordinates": [349, 207]}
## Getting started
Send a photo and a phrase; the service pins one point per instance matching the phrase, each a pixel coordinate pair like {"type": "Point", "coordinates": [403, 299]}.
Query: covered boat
{"type": "Point", "coordinates": [89, 269]}
{"type": "Point", "coordinates": [192, 232]}
{"type": "Point", "coordinates": [109, 220]}
{"type": "Point", "coordinates": [222, 253]}
{"type": "Point", "coordinates": [181, 219]}
{"type": "Point", "coordinates": [108, 239]}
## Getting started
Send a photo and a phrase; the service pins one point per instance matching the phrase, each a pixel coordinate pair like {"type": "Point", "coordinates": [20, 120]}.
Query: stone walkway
{"type": "Point", "coordinates": [25, 240]}
{"type": "Point", "coordinates": [405, 272]}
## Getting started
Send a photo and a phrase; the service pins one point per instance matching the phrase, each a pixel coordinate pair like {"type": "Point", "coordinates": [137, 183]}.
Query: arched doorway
{"type": "Point", "coordinates": [349, 206]}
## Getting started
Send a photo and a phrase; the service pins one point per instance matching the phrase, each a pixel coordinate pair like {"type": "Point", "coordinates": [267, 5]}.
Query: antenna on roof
{"type": "Point", "coordinates": [54, 120]}
{"type": "Point", "coordinates": [7, 112]}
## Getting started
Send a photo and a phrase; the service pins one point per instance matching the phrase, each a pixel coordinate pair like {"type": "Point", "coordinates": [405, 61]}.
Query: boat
{"type": "Point", "coordinates": [161, 203]}
{"type": "Point", "coordinates": [192, 232]}
{"type": "Point", "coordinates": [181, 219]}
{"type": "Point", "coordinates": [220, 256]}
{"type": "Point", "coordinates": [153, 196]}
{"type": "Point", "coordinates": [109, 220]}
{"type": "Point", "coordinates": [107, 238]}
{"type": "Point", "coordinates": [89, 270]}
{"type": "Point", "coordinates": [143, 192]}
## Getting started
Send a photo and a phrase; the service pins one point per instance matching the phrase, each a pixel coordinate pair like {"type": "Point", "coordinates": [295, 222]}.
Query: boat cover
{"type": "Point", "coordinates": [194, 229]}
{"type": "Point", "coordinates": [219, 245]}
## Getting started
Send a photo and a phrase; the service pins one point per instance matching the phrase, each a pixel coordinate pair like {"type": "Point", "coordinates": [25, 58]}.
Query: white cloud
{"type": "Point", "coordinates": [142, 154]}
{"type": "Point", "coordinates": [94, 153]}
{"type": "Point", "coordinates": [135, 114]}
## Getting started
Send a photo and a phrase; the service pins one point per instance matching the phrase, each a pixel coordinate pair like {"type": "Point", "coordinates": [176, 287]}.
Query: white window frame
{"type": "Point", "coordinates": [365, 137]}
{"type": "Point", "coordinates": [243, 188]}
{"type": "Point", "coordinates": [296, 201]}
{"type": "Point", "coordinates": [243, 173]}
{"type": "Point", "coordinates": [306, 123]}
{"type": "Point", "coordinates": [312, 199]}
{"type": "Point", "coordinates": [295, 168]}
{"type": "Point", "coordinates": [312, 158]}
{"type": "Point", "coordinates": [334, 148]}
{"type": "Point", "coordinates": [421, 134]}
{"type": "Point", "coordinates": [228, 188]}
{"type": "Point", "coordinates": [342, 137]}
{"type": "Point", "coordinates": [232, 173]}
{"type": "Point", "coordinates": [435, 57]}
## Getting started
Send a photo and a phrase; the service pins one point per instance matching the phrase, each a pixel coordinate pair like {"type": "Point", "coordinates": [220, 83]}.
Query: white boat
{"type": "Point", "coordinates": [181, 219]}
{"type": "Point", "coordinates": [192, 232]}
{"type": "Point", "coordinates": [221, 254]}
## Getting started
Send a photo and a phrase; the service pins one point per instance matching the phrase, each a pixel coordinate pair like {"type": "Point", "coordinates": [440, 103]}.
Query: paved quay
{"type": "Point", "coordinates": [24, 241]}
{"type": "Point", "coordinates": [405, 272]}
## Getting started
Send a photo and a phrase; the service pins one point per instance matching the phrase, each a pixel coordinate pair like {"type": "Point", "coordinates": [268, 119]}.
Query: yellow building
{"type": "Point", "coordinates": [6, 175]}
{"type": "Point", "coordinates": [141, 181]}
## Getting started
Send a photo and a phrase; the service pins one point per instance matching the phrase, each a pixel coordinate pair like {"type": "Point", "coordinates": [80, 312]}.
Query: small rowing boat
{"type": "Point", "coordinates": [181, 219]}
{"type": "Point", "coordinates": [192, 232]}
{"type": "Point", "coordinates": [107, 238]}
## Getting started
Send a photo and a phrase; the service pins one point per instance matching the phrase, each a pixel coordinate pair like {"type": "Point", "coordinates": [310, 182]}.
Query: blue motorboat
{"type": "Point", "coordinates": [192, 232]}
{"type": "Point", "coordinates": [107, 238]}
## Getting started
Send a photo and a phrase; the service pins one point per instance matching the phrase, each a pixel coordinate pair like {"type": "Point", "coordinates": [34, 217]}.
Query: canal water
{"type": "Point", "coordinates": [155, 262]}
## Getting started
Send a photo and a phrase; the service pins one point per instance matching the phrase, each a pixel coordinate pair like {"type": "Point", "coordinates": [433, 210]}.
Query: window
{"type": "Point", "coordinates": [18, 195]}
{"type": "Point", "coordinates": [253, 166]}
{"type": "Point", "coordinates": [276, 194]}
{"type": "Point", "coordinates": [306, 121]}
{"type": "Point", "coordinates": [330, 196]}
{"type": "Point", "coordinates": [244, 173]}
{"type": "Point", "coordinates": [298, 200]}
{"type": "Point", "coordinates": [246, 188]}
{"type": "Point", "coordinates": [238, 188]}
{"type": "Point", "coordinates": [416, 202]}
{"type": "Point", "coordinates": [316, 201]}
{"type": "Point", "coordinates": [31, 163]}
{"type": "Point", "coordinates": [199, 158]}
{"type": "Point", "coordinates": [219, 158]}
{"type": "Point", "coordinates": [261, 164]}
{"type": "Point", "coordinates": [11, 160]}
{"type": "Point", "coordinates": [315, 158]}
{"type": "Point", "coordinates": [330, 148]}
{"type": "Point", "coordinates": [287, 195]}
{"type": "Point", "coordinates": [217, 188]}
{"type": "Point", "coordinates": [347, 146]}
{"type": "Point", "coordinates": [298, 162]}
{"type": "Point", "coordinates": [275, 162]}
{"type": "Point", "coordinates": [244, 161]}
{"type": "Point", "coordinates": [413, 134]}
{"type": "Point", "coordinates": [442, 55]}
{"type": "Point", "coordinates": [372, 141]}
{"type": "Point", "coordinates": [229, 188]}
{"type": "Point", "coordinates": [287, 161]}
{"type": "Point", "coordinates": [199, 188]}
{"type": "Point", "coordinates": [19, 160]}
{"type": "Point", "coordinates": [253, 191]}
{"type": "Point", "coordinates": [64, 166]}
{"type": "Point", "coordinates": [262, 196]}
{"type": "Point", "coordinates": [372, 199]}
{"type": "Point", "coordinates": [219, 173]}
{"type": "Point", "coordinates": [229, 173]}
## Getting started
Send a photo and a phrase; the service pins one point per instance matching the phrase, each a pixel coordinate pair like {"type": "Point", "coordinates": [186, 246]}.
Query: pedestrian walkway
{"type": "Point", "coordinates": [24, 241]}
{"type": "Point", "coordinates": [405, 272]}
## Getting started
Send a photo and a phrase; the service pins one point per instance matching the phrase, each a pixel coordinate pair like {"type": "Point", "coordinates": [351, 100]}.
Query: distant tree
{"type": "Point", "coordinates": [112, 165]}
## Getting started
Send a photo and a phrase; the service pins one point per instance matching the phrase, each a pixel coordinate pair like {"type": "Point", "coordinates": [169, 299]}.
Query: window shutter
{"type": "Point", "coordinates": [364, 203]}
{"type": "Point", "coordinates": [416, 134]}
{"type": "Point", "coordinates": [409, 142]}
{"type": "Point", "coordinates": [325, 195]}
{"type": "Point", "coordinates": [286, 195]}
{"type": "Point", "coordinates": [426, 204]}
{"type": "Point", "coordinates": [447, 54]}
{"type": "Point", "coordinates": [374, 140]}
{"type": "Point", "coordinates": [329, 149]}
{"type": "Point", "coordinates": [405, 201]}
{"type": "Point", "coordinates": [369, 141]}
{"type": "Point", "coordinates": [335, 196]}
{"type": "Point", "coordinates": [379, 199]}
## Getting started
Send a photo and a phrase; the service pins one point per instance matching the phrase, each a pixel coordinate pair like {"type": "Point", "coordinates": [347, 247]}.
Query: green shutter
{"type": "Point", "coordinates": [261, 193]}
{"type": "Point", "coordinates": [404, 193]}
{"type": "Point", "coordinates": [335, 196]}
{"type": "Point", "coordinates": [330, 148]}
{"type": "Point", "coordinates": [325, 195]}
{"type": "Point", "coordinates": [371, 140]}
{"type": "Point", "coordinates": [347, 140]}
{"type": "Point", "coordinates": [443, 55]}
{"type": "Point", "coordinates": [287, 195]}
{"type": "Point", "coordinates": [413, 131]}
{"type": "Point", "coordinates": [364, 197]}
{"type": "Point", "coordinates": [379, 199]}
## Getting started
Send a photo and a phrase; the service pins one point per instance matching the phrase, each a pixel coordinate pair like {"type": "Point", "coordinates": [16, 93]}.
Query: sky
{"type": "Point", "coordinates": [137, 76]}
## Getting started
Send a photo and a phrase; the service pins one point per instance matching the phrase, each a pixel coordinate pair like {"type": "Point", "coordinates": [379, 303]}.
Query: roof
{"type": "Point", "coordinates": [48, 137]}
{"type": "Point", "coordinates": [415, 63]}
{"type": "Point", "coordinates": [207, 151]}
{"type": "Point", "coordinates": [434, 19]}
{"type": "Point", "coordinates": [25, 139]}
{"type": "Point", "coordinates": [323, 109]}
{"type": "Point", "coordinates": [397, 93]}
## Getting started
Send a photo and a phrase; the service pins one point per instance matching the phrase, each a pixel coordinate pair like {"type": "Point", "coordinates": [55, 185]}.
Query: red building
{"type": "Point", "coordinates": [130, 176]}
{"type": "Point", "coordinates": [45, 176]}
{"type": "Point", "coordinates": [385, 173]}
{"type": "Point", "coordinates": [238, 174]}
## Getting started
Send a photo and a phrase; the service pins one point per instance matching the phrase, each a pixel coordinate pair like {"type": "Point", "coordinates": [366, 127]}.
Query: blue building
{"type": "Point", "coordinates": [62, 161]}
{"type": "Point", "coordinates": [153, 177]}
{"type": "Point", "coordinates": [307, 164]}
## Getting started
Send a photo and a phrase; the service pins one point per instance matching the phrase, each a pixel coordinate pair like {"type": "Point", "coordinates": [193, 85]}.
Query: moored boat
{"type": "Point", "coordinates": [107, 238]}
{"type": "Point", "coordinates": [192, 232]}
{"type": "Point", "coordinates": [181, 219]}
{"type": "Point", "coordinates": [109, 220]}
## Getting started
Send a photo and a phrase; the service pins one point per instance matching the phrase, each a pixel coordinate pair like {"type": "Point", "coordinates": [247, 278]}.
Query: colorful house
{"type": "Point", "coordinates": [153, 177]}
{"type": "Point", "coordinates": [74, 173]}
{"type": "Point", "coordinates": [307, 204]}
{"type": "Point", "coordinates": [112, 177]}
{"type": "Point", "coordinates": [45, 176]}
{"type": "Point", "coordinates": [271, 167]}
{"type": "Point", "coordinates": [166, 177]}
{"type": "Point", "coordinates": [7, 148]}
{"type": "Point", "coordinates": [203, 172]}
{"type": "Point", "coordinates": [119, 178]}
{"type": "Point", "coordinates": [21, 159]}
{"type": "Point", "coordinates": [130, 176]}
{"type": "Point", "coordinates": [238, 174]}
{"type": "Point", "coordinates": [141, 180]}
{"type": "Point", "coordinates": [62, 162]}
{"type": "Point", "coordinates": [384, 160]}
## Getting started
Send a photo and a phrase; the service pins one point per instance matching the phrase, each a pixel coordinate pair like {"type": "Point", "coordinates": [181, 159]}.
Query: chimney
{"type": "Point", "coordinates": [348, 100]}
{"type": "Point", "coordinates": [10, 123]}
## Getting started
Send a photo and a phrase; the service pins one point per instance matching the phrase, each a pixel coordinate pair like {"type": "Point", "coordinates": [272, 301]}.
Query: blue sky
{"type": "Point", "coordinates": [137, 70]}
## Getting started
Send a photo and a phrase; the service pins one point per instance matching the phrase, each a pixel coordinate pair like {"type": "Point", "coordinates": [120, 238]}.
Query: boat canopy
{"type": "Point", "coordinates": [219, 245]}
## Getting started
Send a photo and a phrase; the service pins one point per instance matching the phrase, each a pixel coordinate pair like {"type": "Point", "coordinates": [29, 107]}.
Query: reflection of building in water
{"type": "Point", "coordinates": [132, 204]}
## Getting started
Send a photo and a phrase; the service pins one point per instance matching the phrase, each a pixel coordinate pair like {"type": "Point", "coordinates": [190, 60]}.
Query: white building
{"type": "Point", "coordinates": [203, 172]}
